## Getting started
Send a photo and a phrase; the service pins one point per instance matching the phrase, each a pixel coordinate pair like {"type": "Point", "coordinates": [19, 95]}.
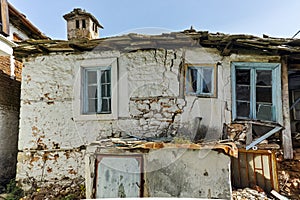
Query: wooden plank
{"type": "Point", "coordinates": [4, 17]}
{"type": "Point", "coordinates": [265, 136]}
{"type": "Point", "coordinates": [249, 134]}
{"type": "Point", "coordinates": [286, 133]}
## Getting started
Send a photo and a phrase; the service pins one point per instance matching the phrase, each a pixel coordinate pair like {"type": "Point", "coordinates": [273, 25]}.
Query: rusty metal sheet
{"type": "Point", "coordinates": [228, 148]}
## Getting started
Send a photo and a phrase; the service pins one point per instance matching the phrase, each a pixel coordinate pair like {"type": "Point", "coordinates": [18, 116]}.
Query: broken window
{"type": "Point", "coordinates": [200, 80]}
{"type": "Point", "coordinates": [256, 89]}
{"type": "Point", "coordinates": [97, 90]}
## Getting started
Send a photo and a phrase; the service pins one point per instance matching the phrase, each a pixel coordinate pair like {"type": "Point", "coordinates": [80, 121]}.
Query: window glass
{"type": "Point", "coordinates": [254, 92]}
{"type": "Point", "coordinates": [207, 74]}
{"type": "Point", "coordinates": [243, 109]}
{"type": "Point", "coordinates": [97, 90]}
{"type": "Point", "coordinates": [200, 80]}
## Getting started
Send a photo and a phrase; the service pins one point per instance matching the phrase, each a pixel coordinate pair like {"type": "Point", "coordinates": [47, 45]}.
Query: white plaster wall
{"type": "Point", "coordinates": [20, 33]}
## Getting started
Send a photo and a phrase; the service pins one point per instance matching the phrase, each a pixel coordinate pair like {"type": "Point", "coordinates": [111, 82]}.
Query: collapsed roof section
{"type": "Point", "coordinates": [225, 43]}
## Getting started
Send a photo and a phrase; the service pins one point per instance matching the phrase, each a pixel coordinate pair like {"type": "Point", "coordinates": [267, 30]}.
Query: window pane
{"type": "Point", "coordinates": [243, 109]}
{"type": "Point", "coordinates": [92, 91]}
{"type": "Point", "coordinates": [264, 77]}
{"type": "Point", "coordinates": [243, 76]}
{"type": "Point", "coordinates": [264, 112]}
{"type": "Point", "coordinates": [105, 90]}
{"type": "Point", "coordinates": [193, 73]}
{"type": "Point", "coordinates": [92, 107]}
{"type": "Point", "coordinates": [264, 94]}
{"type": "Point", "coordinates": [92, 77]}
{"type": "Point", "coordinates": [106, 105]}
{"type": "Point", "coordinates": [108, 76]}
{"type": "Point", "coordinates": [243, 92]}
{"type": "Point", "coordinates": [207, 80]}
{"type": "Point", "coordinates": [105, 76]}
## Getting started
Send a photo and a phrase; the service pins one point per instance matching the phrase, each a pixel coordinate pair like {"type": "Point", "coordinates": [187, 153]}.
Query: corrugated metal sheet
{"type": "Point", "coordinates": [119, 176]}
{"type": "Point", "coordinates": [255, 168]}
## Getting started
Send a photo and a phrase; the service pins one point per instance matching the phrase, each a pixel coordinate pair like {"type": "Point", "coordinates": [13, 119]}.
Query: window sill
{"type": "Point", "coordinates": [202, 95]}
{"type": "Point", "coordinates": [257, 122]}
{"type": "Point", "coordinates": [95, 117]}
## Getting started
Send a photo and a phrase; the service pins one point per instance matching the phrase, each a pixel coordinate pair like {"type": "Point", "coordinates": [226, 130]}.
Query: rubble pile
{"type": "Point", "coordinates": [237, 132]}
{"type": "Point", "coordinates": [73, 190]}
{"type": "Point", "coordinates": [249, 194]}
{"type": "Point", "coordinates": [289, 177]}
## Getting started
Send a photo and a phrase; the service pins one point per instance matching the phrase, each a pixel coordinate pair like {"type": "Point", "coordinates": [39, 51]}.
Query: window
{"type": "Point", "coordinates": [77, 24]}
{"type": "Point", "coordinates": [97, 90]}
{"type": "Point", "coordinates": [83, 23]}
{"type": "Point", "coordinates": [200, 80]}
{"type": "Point", "coordinates": [256, 91]}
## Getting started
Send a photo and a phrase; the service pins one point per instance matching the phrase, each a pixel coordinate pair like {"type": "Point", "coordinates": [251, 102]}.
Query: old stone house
{"type": "Point", "coordinates": [14, 28]}
{"type": "Point", "coordinates": [148, 115]}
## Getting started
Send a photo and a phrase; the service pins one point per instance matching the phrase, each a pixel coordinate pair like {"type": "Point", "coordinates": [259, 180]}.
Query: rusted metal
{"type": "Point", "coordinates": [255, 168]}
{"type": "Point", "coordinates": [229, 148]}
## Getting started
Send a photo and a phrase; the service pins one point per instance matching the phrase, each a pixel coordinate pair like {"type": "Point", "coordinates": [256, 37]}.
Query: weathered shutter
{"type": "Point", "coordinates": [4, 28]}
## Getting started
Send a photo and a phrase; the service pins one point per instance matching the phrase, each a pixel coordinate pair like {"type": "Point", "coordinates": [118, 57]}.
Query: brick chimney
{"type": "Point", "coordinates": [82, 25]}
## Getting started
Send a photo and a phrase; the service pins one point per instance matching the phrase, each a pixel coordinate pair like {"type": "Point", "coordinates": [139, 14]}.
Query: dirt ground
{"type": "Point", "coordinates": [289, 178]}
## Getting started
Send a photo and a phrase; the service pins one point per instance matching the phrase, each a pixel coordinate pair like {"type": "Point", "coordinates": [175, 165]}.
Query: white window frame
{"type": "Point", "coordinates": [200, 68]}
{"type": "Point", "coordinates": [98, 84]}
{"type": "Point", "coordinates": [78, 104]}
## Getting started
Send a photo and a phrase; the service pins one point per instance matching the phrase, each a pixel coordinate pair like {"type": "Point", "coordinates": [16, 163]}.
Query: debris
{"type": "Point", "coordinates": [248, 193]}
{"type": "Point", "coordinates": [289, 177]}
{"type": "Point", "coordinates": [278, 196]}
{"type": "Point", "coordinates": [75, 189]}
{"type": "Point", "coordinates": [262, 138]}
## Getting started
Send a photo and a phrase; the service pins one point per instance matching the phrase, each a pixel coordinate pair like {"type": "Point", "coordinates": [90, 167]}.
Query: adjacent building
{"type": "Point", "coordinates": [15, 27]}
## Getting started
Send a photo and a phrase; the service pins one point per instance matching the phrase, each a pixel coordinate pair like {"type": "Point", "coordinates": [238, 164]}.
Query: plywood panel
{"type": "Point", "coordinates": [256, 168]}
{"type": "Point", "coordinates": [118, 177]}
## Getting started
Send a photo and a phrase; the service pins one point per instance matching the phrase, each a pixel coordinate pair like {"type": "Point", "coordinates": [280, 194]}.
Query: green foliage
{"type": "Point", "coordinates": [14, 192]}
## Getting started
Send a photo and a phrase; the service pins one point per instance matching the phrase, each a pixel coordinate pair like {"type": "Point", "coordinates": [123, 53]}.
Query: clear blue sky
{"type": "Point", "coordinates": [276, 18]}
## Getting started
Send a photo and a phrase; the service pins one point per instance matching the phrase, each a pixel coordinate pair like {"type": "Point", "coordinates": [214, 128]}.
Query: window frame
{"type": "Point", "coordinates": [276, 89]}
{"type": "Point", "coordinates": [212, 94]}
{"type": "Point", "coordinates": [99, 98]}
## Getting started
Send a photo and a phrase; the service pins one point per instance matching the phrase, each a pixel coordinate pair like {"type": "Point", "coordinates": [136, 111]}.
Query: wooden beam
{"type": "Point", "coordinates": [265, 136]}
{"type": "Point", "coordinates": [286, 133]}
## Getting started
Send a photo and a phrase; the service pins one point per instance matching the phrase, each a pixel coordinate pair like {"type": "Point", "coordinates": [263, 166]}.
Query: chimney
{"type": "Point", "coordinates": [82, 25]}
